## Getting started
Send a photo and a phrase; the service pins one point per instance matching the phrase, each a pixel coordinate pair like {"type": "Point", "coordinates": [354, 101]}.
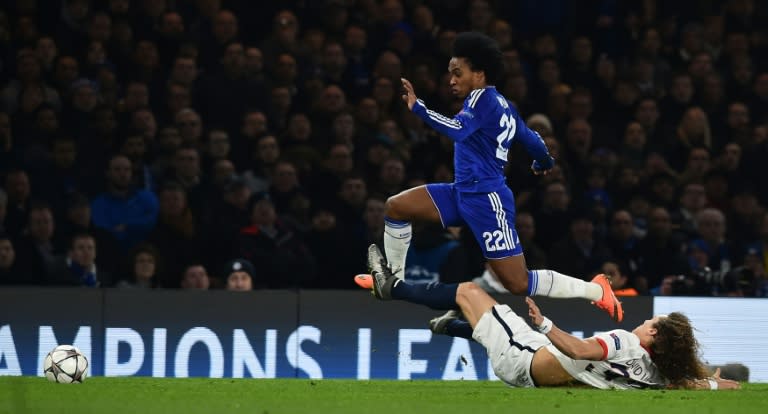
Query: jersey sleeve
{"type": "Point", "coordinates": [457, 128]}
{"type": "Point", "coordinates": [531, 139]}
{"type": "Point", "coordinates": [617, 343]}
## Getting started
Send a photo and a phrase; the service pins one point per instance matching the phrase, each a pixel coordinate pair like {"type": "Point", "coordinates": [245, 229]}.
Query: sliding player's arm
{"type": "Point", "coordinates": [712, 383]}
{"type": "Point", "coordinates": [586, 349]}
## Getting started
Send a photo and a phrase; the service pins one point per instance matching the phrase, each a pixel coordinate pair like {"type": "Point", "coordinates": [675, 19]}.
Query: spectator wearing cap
{"type": "Point", "coordinates": [239, 275]}
{"type": "Point", "coordinates": [748, 280]}
{"type": "Point", "coordinates": [274, 245]}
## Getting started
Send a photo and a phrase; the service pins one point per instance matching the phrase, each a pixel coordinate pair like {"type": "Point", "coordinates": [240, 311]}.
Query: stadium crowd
{"type": "Point", "coordinates": [244, 145]}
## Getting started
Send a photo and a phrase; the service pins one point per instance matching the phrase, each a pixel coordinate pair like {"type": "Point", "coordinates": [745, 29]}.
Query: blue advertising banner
{"type": "Point", "coordinates": [264, 334]}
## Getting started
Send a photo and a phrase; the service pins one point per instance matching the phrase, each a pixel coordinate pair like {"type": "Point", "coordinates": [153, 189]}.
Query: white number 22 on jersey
{"type": "Point", "coordinates": [510, 125]}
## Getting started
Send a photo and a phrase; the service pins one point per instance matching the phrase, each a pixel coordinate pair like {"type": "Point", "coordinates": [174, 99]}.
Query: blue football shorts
{"type": "Point", "coordinates": [490, 216]}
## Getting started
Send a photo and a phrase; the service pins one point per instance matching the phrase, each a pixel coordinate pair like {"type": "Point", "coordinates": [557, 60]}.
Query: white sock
{"type": "Point", "coordinates": [397, 238]}
{"type": "Point", "coordinates": [557, 285]}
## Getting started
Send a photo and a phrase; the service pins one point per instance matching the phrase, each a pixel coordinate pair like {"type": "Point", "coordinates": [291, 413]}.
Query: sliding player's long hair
{"type": "Point", "coordinates": [675, 350]}
{"type": "Point", "coordinates": [482, 54]}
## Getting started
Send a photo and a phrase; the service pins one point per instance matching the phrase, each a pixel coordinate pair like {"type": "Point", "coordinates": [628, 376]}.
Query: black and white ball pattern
{"type": "Point", "coordinates": [65, 364]}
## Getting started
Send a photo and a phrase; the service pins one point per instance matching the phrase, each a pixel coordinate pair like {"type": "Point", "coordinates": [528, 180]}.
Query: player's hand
{"type": "Point", "coordinates": [409, 96]}
{"type": "Point", "coordinates": [725, 384]}
{"type": "Point", "coordinates": [533, 312]}
{"type": "Point", "coordinates": [543, 166]}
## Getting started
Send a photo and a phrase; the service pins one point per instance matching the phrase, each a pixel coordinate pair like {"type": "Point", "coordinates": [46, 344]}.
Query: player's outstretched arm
{"type": "Point", "coordinates": [715, 382]}
{"type": "Point", "coordinates": [573, 347]}
{"type": "Point", "coordinates": [456, 128]}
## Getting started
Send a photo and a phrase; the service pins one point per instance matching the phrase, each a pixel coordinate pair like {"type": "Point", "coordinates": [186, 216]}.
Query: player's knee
{"type": "Point", "coordinates": [393, 208]}
{"type": "Point", "coordinates": [467, 291]}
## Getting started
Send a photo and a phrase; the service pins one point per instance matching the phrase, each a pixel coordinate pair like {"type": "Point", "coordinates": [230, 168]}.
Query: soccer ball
{"type": "Point", "coordinates": [65, 364]}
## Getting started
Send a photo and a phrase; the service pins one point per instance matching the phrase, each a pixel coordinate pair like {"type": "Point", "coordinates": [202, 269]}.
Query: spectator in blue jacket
{"type": "Point", "coordinates": [129, 214]}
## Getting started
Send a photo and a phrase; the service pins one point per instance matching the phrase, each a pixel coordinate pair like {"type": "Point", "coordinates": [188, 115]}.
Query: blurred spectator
{"type": "Point", "coordinates": [143, 268]}
{"type": "Point", "coordinates": [621, 283]}
{"type": "Point", "coordinates": [226, 90]}
{"type": "Point", "coordinates": [623, 242]}
{"type": "Point", "coordinates": [188, 172]}
{"type": "Point", "coordinates": [711, 226]}
{"type": "Point", "coordinates": [275, 246]}
{"type": "Point", "coordinates": [78, 267]}
{"type": "Point", "coordinates": [324, 237]}
{"type": "Point", "coordinates": [127, 213]}
{"type": "Point", "coordinates": [190, 127]}
{"type": "Point", "coordinates": [29, 77]}
{"type": "Point", "coordinates": [239, 275]}
{"type": "Point", "coordinates": [579, 253]}
{"type": "Point", "coordinates": [37, 249]}
{"type": "Point", "coordinates": [692, 131]}
{"type": "Point", "coordinates": [76, 219]}
{"type": "Point", "coordinates": [287, 194]}
{"type": "Point", "coordinates": [178, 233]}
{"type": "Point", "coordinates": [553, 215]}
{"type": "Point", "coordinates": [661, 250]}
{"type": "Point", "coordinates": [253, 127]}
{"type": "Point", "coordinates": [11, 272]}
{"type": "Point", "coordinates": [218, 147]}
{"type": "Point", "coordinates": [748, 280]}
{"type": "Point", "coordinates": [18, 190]}
{"type": "Point", "coordinates": [195, 276]}
{"type": "Point", "coordinates": [265, 157]}
{"type": "Point", "coordinates": [692, 200]}
{"type": "Point", "coordinates": [535, 257]}
{"type": "Point", "coordinates": [134, 147]}
{"type": "Point", "coordinates": [299, 145]}
{"type": "Point", "coordinates": [435, 255]}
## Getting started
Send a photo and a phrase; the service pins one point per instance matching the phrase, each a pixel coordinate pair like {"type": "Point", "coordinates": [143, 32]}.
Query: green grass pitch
{"type": "Point", "coordinates": [19, 395]}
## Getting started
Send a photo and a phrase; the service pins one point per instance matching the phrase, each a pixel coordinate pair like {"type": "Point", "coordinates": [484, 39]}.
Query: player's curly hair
{"type": "Point", "coordinates": [481, 52]}
{"type": "Point", "coordinates": [675, 350]}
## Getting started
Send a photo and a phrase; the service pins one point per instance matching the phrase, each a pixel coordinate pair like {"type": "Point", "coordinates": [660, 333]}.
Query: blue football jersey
{"type": "Point", "coordinates": [482, 133]}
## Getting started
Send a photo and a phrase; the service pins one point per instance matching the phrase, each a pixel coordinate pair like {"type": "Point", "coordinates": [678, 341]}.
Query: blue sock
{"type": "Point", "coordinates": [436, 295]}
{"type": "Point", "coordinates": [461, 329]}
